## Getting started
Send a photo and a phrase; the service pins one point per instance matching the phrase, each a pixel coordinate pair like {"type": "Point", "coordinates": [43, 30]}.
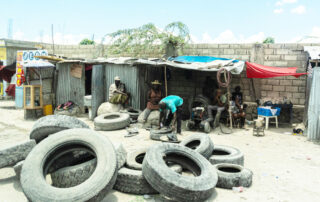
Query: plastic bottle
{"type": "Point", "coordinates": [237, 189]}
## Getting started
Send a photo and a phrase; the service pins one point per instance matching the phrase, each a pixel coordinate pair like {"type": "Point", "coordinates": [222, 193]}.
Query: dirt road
{"type": "Point", "coordinates": [286, 168]}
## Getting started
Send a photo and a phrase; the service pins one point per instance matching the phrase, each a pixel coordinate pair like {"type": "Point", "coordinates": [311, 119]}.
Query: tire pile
{"type": "Point", "coordinates": [84, 165]}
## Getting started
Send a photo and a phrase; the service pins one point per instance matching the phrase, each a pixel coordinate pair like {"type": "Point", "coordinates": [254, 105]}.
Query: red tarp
{"type": "Point", "coordinates": [6, 74]}
{"type": "Point", "coordinates": [261, 71]}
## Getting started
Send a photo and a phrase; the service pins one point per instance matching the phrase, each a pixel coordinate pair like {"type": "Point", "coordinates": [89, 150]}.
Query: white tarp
{"type": "Point", "coordinates": [314, 52]}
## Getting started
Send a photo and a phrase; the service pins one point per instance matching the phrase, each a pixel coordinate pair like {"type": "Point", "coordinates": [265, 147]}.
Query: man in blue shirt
{"type": "Point", "coordinates": [173, 105]}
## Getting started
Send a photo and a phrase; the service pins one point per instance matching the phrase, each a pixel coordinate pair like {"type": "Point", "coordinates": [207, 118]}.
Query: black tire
{"type": "Point", "coordinates": [11, 155]}
{"type": "Point", "coordinates": [51, 124]}
{"type": "Point", "coordinates": [93, 189]}
{"type": "Point", "coordinates": [73, 175]}
{"type": "Point", "coordinates": [17, 169]}
{"type": "Point", "coordinates": [200, 143]}
{"type": "Point", "coordinates": [226, 154]}
{"type": "Point", "coordinates": [231, 175]}
{"type": "Point", "coordinates": [173, 185]}
{"type": "Point", "coordinates": [132, 181]}
{"type": "Point", "coordinates": [111, 121]}
{"type": "Point", "coordinates": [199, 101]}
{"type": "Point", "coordinates": [79, 172]}
{"type": "Point", "coordinates": [135, 158]}
{"type": "Point", "coordinates": [157, 134]}
{"type": "Point", "coordinates": [134, 113]}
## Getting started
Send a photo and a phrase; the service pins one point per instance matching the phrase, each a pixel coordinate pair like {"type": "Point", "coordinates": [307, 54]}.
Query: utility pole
{"type": "Point", "coordinates": [10, 23]}
{"type": "Point", "coordinates": [52, 39]}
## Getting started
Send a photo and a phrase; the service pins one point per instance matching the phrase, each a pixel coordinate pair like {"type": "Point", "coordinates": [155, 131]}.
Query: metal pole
{"type": "Point", "coordinates": [165, 80]}
{"type": "Point", "coordinates": [52, 39]}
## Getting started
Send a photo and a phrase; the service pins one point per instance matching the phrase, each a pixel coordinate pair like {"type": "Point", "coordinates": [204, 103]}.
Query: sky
{"type": "Point", "coordinates": [209, 21]}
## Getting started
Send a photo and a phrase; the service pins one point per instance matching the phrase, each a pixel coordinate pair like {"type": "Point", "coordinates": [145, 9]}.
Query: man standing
{"type": "Point", "coordinates": [117, 92]}
{"type": "Point", "coordinates": [171, 104]}
{"type": "Point", "coordinates": [154, 97]}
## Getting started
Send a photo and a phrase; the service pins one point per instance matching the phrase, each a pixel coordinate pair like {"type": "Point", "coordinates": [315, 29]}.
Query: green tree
{"type": "Point", "coordinates": [87, 42]}
{"type": "Point", "coordinates": [138, 41]}
{"type": "Point", "coordinates": [269, 40]}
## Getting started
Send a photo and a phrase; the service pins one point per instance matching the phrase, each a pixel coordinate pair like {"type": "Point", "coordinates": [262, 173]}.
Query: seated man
{"type": "Point", "coordinates": [173, 105]}
{"type": "Point", "coordinates": [117, 92]}
{"type": "Point", "coordinates": [238, 108]}
{"type": "Point", "coordinates": [154, 97]}
{"type": "Point", "coordinates": [218, 105]}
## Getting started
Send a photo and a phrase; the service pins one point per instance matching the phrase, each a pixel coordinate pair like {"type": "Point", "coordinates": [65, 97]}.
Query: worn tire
{"type": "Point", "coordinates": [201, 100]}
{"type": "Point", "coordinates": [135, 158]}
{"type": "Point", "coordinates": [93, 189]}
{"type": "Point", "coordinates": [157, 134]}
{"type": "Point", "coordinates": [111, 121]}
{"type": "Point", "coordinates": [226, 154]}
{"type": "Point", "coordinates": [51, 124]}
{"type": "Point", "coordinates": [134, 113]}
{"type": "Point", "coordinates": [176, 186]}
{"type": "Point", "coordinates": [132, 181]}
{"type": "Point", "coordinates": [9, 156]}
{"type": "Point", "coordinates": [200, 143]}
{"type": "Point", "coordinates": [77, 173]}
{"type": "Point", "coordinates": [17, 169]}
{"type": "Point", "coordinates": [232, 175]}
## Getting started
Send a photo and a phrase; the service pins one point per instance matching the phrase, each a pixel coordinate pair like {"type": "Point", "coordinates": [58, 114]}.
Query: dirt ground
{"type": "Point", "coordinates": [286, 167]}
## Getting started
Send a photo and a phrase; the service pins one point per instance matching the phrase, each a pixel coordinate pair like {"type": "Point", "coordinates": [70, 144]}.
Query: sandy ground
{"type": "Point", "coordinates": [286, 167]}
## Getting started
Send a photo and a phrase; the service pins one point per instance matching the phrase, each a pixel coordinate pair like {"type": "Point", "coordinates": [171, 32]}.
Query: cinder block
{"type": "Point", "coordinates": [278, 88]}
{"type": "Point", "coordinates": [291, 45]}
{"type": "Point", "coordinates": [292, 89]}
{"type": "Point", "coordinates": [246, 45]}
{"type": "Point", "coordinates": [272, 57]}
{"type": "Point", "coordinates": [263, 93]}
{"type": "Point", "coordinates": [273, 94]}
{"type": "Point", "coordinates": [228, 51]}
{"type": "Point", "coordinates": [273, 82]}
{"type": "Point", "coordinates": [302, 101]}
{"type": "Point", "coordinates": [298, 82]}
{"type": "Point", "coordinates": [266, 87]}
{"type": "Point", "coordinates": [285, 82]}
{"type": "Point", "coordinates": [290, 57]}
{"type": "Point", "coordinates": [269, 51]}
{"type": "Point", "coordinates": [215, 51]}
{"type": "Point", "coordinates": [282, 51]}
{"type": "Point", "coordinates": [299, 95]}
{"type": "Point", "coordinates": [245, 57]}
{"type": "Point", "coordinates": [277, 45]}
{"type": "Point", "coordinates": [213, 46]}
{"type": "Point", "coordinates": [302, 89]}
{"type": "Point", "coordinates": [286, 94]}
{"type": "Point", "coordinates": [263, 81]}
{"type": "Point", "coordinates": [269, 63]}
{"type": "Point", "coordinates": [241, 51]}
{"type": "Point", "coordinates": [224, 46]}
{"type": "Point", "coordinates": [281, 63]}
{"type": "Point", "coordinates": [294, 101]}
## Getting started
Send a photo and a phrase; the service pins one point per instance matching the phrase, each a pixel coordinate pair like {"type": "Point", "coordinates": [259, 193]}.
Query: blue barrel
{"type": "Point", "coordinates": [19, 97]}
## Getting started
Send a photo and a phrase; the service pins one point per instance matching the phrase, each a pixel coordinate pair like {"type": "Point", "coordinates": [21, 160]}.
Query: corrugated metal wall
{"type": "Point", "coordinates": [69, 87]}
{"type": "Point", "coordinates": [314, 107]}
{"type": "Point", "coordinates": [129, 76]}
{"type": "Point", "coordinates": [97, 88]}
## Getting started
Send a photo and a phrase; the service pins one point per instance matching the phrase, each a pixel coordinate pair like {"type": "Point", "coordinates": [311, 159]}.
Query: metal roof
{"type": "Point", "coordinates": [230, 65]}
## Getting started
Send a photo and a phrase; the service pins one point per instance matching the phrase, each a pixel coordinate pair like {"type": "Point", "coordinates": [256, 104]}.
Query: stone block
{"type": "Point", "coordinates": [245, 57]}
{"type": "Point", "coordinates": [246, 45]}
{"type": "Point", "coordinates": [273, 94]}
{"type": "Point", "coordinates": [281, 63]}
{"type": "Point", "coordinates": [285, 82]}
{"type": "Point", "coordinates": [263, 93]}
{"type": "Point", "coordinates": [277, 45]}
{"type": "Point", "coordinates": [224, 45]}
{"type": "Point", "coordinates": [266, 87]}
{"type": "Point", "coordinates": [228, 51]}
{"type": "Point", "coordinates": [241, 51]}
{"type": "Point", "coordinates": [278, 88]}
{"type": "Point", "coordinates": [286, 94]}
{"type": "Point", "coordinates": [294, 101]}
{"type": "Point", "coordinates": [263, 81]}
{"type": "Point", "coordinates": [215, 51]}
{"type": "Point", "coordinates": [273, 82]}
{"type": "Point", "coordinates": [299, 95]}
{"type": "Point", "coordinates": [290, 57]}
{"type": "Point", "coordinates": [269, 63]}
{"type": "Point", "coordinates": [298, 82]}
{"type": "Point", "coordinates": [282, 51]}
{"type": "Point", "coordinates": [269, 51]}
{"type": "Point", "coordinates": [213, 46]}
{"type": "Point", "coordinates": [292, 89]}
{"type": "Point", "coordinates": [272, 57]}
{"type": "Point", "coordinates": [302, 89]}
{"type": "Point", "coordinates": [291, 45]}
{"type": "Point", "coordinates": [302, 101]}
{"type": "Point", "coordinates": [234, 46]}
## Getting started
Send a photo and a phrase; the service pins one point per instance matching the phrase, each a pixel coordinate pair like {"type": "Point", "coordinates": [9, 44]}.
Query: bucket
{"type": "Point", "coordinates": [47, 110]}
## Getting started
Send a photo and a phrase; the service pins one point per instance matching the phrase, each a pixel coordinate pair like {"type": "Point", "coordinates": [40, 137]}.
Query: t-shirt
{"type": "Point", "coordinates": [237, 95]}
{"type": "Point", "coordinates": [172, 102]}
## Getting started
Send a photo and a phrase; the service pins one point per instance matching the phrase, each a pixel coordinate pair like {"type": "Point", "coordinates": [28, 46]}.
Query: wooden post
{"type": "Point", "coordinates": [228, 99]}
{"type": "Point", "coordinates": [165, 80]}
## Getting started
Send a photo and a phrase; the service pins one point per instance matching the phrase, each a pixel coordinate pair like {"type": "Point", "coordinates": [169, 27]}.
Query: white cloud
{"type": "Point", "coordinates": [278, 10]}
{"type": "Point", "coordinates": [228, 36]}
{"type": "Point", "coordinates": [313, 37]}
{"type": "Point", "coordinates": [299, 10]}
{"type": "Point", "coordinates": [282, 2]}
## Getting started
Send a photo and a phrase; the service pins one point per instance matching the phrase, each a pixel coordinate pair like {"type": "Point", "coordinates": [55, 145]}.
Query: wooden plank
{"type": "Point", "coordinates": [76, 70]}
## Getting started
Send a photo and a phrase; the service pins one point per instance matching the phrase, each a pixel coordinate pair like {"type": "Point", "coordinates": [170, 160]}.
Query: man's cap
{"type": "Point", "coordinates": [155, 82]}
{"type": "Point", "coordinates": [117, 78]}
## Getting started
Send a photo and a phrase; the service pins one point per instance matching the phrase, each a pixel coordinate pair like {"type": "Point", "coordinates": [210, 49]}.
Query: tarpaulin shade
{"type": "Point", "coordinates": [261, 71]}
{"type": "Point", "coordinates": [190, 59]}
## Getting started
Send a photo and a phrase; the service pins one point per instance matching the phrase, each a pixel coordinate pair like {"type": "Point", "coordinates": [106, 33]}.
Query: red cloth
{"type": "Point", "coordinates": [6, 74]}
{"type": "Point", "coordinates": [11, 90]}
{"type": "Point", "coordinates": [88, 67]}
{"type": "Point", "coordinates": [261, 71]}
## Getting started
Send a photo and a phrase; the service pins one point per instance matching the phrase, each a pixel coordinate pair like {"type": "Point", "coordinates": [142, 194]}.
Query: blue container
{"type": "Point", "coordinates": [19, 97]}
{"type": "Point", "coordinates": [267, 112]}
